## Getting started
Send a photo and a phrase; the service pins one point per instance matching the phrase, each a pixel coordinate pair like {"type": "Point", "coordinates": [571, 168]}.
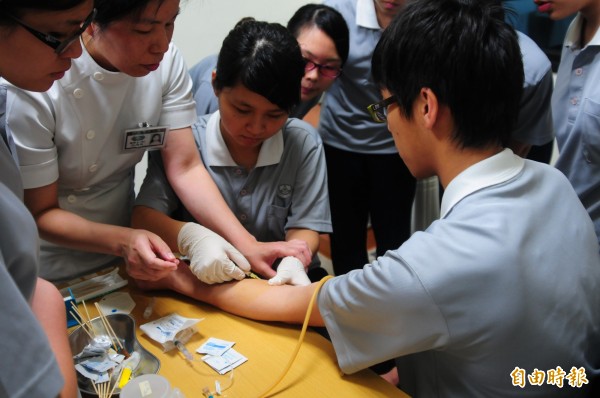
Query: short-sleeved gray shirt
{"type": "Point", "coordinates": [576, 113]}
{"type": "Point", "coordinates": [287, 188]}
{"type": "Point", "coordinates": [32, 370]}
{"type": "Point", "coordinates": [534, 126]}
{"type": "Point", "coordinates": [508, 277]}
{"type": "Point", "coordinates": [344, 122]}
{"type": "Point", "coordinates": [11, 176]}
{"type": "Point", "coordinates": [29, 368]}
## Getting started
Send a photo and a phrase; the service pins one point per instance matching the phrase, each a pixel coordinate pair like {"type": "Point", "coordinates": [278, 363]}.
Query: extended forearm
{"type": "Point", "coordinates": [68, 229]}
{"type": "Point", "coordinates": [255, 299]}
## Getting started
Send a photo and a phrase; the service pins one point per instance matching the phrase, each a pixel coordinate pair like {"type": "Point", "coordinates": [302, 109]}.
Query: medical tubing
{"type": "Point", "coordinates": [301, 338]}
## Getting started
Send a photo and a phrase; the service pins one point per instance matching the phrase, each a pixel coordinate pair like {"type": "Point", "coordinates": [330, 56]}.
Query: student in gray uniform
{"type": "Point", "coordinates": [507, 283]}
{"type": "Point", "coordinates": [323, 36]}
{"type": "Point", "coordinates": [38, 41]}
{"type": "Point", "coordinates": [367, 179]}
{"type": "Point", "coordinates": [576, 100]}
{"type": "Point", "coordinates": [270, 169]}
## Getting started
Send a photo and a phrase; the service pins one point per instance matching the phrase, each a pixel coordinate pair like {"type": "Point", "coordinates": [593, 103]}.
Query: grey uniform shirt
{"type": "Point", "coordinates": [495, 284]}
{"type": "Point", "coordinates": [11, 176]}
{"type": "Point", "coordinates": [345, 123]}
{"type": "Point", "coordinates": [576, 112]}
{"type": "Point", "coordinates": [534, 126]}
{"type": "Point", "coordinates": [286, 189]}
{"type": "Point", "coordinates": [29, 368]}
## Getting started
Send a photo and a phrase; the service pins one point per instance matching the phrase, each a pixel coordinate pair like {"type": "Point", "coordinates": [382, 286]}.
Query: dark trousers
{"type": "Point", "coordinates": [363, 185]}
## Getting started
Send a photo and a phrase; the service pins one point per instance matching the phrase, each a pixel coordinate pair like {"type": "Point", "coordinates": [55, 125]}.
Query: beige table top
{"type": "Point", "coordinates": [268, 347]}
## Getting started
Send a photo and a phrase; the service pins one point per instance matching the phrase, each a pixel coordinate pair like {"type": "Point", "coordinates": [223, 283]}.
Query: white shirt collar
{"type": "Point", "coordinates": [573, 36]}
{"type": "Point", "coordinates": [366, 15]}
{"type": "Point", "coordinates": [218, 154]}
{"type": "Point", "coordinates": [491, 171]}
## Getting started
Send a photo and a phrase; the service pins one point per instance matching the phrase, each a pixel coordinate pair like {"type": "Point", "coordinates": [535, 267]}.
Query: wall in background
{"type": "Point", "coordinates": [203, 24]}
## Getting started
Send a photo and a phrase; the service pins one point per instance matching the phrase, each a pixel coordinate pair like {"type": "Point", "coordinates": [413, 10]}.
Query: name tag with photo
{"type": "Point", "coordinates": [147, 138]}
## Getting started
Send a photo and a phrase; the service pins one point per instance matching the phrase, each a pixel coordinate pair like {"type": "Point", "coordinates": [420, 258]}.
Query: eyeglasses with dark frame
{"type": "Point", "coordinates": [326, 70]}
{"type": "Point", "coordinates": [59, 46]}
{"type": "Point", "coordinates": [378, 110]}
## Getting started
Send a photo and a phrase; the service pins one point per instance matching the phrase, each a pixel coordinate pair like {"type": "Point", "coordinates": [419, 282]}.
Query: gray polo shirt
{"type": "Point", "coordinates": [286, 189]}
{"type": "Point", "coordinates": [493, 285]}
{"type": "Point", "coordinates": [576, 112]}
{"type": "Point", "coordinates": [534, 126]}
{"type": "Point", "coordinates": [345, 123]}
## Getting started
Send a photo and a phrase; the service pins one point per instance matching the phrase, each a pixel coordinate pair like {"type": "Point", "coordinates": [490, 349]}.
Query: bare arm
{"type": "Point", "coordinates": [250, 298]}
{"type": "Point", "coordinates": [202, 198]}
{"type": "Point", "coordinates": [147, 256]}
{"type": "Point", "coordinates": [155, 221]}
{"type": "Point", "coordinates": [48, 307]}
{"type": "Point", "coordinates": [307, 235]}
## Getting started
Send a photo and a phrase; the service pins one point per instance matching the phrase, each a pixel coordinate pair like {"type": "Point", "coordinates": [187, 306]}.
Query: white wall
{"type": "Point", "coordinates": [203, 24]}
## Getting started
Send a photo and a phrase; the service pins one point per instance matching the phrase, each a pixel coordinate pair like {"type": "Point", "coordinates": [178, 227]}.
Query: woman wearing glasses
{"type": "Point", "coordinates": [79, 146]}
{"type": "Point", "coordinates": [269, 168]}
{"type": "Point", "coordinates": [38, 40]}
{"type": "Point", "coordinates": [323, 36]}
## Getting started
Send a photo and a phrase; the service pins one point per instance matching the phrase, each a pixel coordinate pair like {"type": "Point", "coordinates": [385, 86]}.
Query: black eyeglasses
{"type": "Point", "coordinates": [328, 71]}
{"type": "Point", "coordinates": [59, 46]}
{"type": "Point", "coordinates": [378, 110]}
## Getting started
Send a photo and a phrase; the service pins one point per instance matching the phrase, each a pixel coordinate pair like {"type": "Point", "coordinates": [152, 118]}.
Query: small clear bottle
{"type": "Point", "coordinates": [150, 386]}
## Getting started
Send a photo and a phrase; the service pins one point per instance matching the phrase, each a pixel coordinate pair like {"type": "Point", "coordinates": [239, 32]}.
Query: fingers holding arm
{"type": "Point", "coordinates": [212, 258]}
{"type": "Point", "coordinates": [147, 256]}
{"type": "Point", "coordinates": [306, 235]}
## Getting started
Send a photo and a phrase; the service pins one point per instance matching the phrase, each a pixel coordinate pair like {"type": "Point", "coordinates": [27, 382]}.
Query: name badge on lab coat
{"type": "Point", "coordinates": [145, 137]}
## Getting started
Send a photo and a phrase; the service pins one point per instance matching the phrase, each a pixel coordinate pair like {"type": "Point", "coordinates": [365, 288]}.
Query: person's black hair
{"type": "Point", "coordinates": [328, 20]}
{"type": "Point", "coordinates": [17, 8]}
{"type": "Point", "coordinates": [468, 57]}
{"type": "Point", "coordinates": [115, 10]}
{"type": "Point", "coordinates": [266, 59]}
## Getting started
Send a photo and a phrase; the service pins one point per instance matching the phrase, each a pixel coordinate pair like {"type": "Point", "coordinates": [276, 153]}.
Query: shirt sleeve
{"type": "Point", "coordinates": [204, 95]}
{"type": "Point", "coordinates": [178, 110]}
{"type": "Point", "coordinates": [534, 125]}
{"type": "Point", "coordinates": [310, 201]}
{"type": "Point", "coordinates": [380, 312]}
{"type": "Point", "coordinates": [30, 120]}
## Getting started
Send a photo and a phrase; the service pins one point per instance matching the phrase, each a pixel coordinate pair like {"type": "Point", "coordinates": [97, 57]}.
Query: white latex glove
{"type": "Point", "coordinates": [290, 271]}
{"type": "Point", "coordinates": [212, 258]}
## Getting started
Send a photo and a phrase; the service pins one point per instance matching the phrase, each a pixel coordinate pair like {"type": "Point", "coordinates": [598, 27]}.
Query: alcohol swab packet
{"type": "Point", "coordinates": [229, 360]}
{"type": "Point", "coordinates": [215, 347]}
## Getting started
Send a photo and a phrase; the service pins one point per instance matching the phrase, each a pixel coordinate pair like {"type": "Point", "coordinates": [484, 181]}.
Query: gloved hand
{"type": "Point", "coordinates": [290, 271]}
{"type": "Point", "coordinates": [212, 258]}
